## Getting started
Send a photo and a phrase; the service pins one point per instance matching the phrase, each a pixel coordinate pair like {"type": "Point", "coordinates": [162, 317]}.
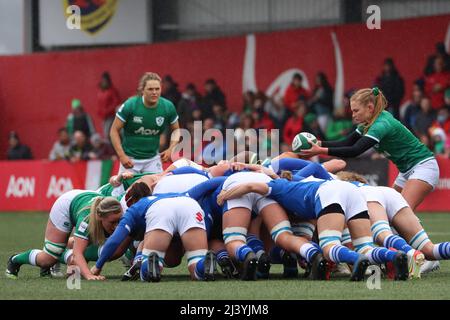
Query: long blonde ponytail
{"type": "Point", "coordinates": [370, 95]}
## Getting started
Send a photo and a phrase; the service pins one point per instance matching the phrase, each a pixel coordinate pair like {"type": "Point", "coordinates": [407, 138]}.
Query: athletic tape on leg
{"type": "Point", "coordinates": [234, 234]}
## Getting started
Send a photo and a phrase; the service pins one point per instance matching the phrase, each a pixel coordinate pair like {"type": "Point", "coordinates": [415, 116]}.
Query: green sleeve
{"type": "Point", "coordinates": [124, 111]}
{"type": "Point", "coordinates": [173, 116]}
{"type": "Point", "coordinates": [378, 130]}
{"type": "Point", "coordinates": [69, 124]}
{"type": "Point", "coordinates": [82, 228]}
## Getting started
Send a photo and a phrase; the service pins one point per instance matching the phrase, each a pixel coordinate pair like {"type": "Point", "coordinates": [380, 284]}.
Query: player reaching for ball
{"type": "Point", "coordinates": [419, 171]}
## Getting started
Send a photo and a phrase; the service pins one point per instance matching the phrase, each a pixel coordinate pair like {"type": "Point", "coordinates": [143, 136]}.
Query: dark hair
{"type": "Point", "coordinates": [190, 86]}
{"type": "Point", "coordinates": [13, 134]}
{"type": "Point", "coordinates": [62, 129]}
{"type": "Point", "coordinates": [210, 81]}
{"type": "Point", "coordinates": [106, 76]}
{"type": "Point", "coordinates": [297, 76]}
{"type": "Point", "coordinates": [136, 192]}
{"type": "Point", "coordinates": [323, 80]}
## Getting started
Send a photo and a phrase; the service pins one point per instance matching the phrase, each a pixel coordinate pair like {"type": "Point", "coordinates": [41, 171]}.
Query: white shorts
{"type": "Point", "coordinates": [186, 163]}
{"type": "Point", "coordinates": [345, 194]}
{"type": "Point", "coordinates": [175, 215]}
{"type": "Point", "coordinates": [251, 201]}
{"type": "Point", "coordinates": [388, 198]}
{"type": "Point", "coordinates": [178, 183]}
{"type": "Point", "coordinates": [427, 171]}
{"type": "Point", "coordinates": [60, 211]}
{"type": "Point", "coordinates": [144, 165]}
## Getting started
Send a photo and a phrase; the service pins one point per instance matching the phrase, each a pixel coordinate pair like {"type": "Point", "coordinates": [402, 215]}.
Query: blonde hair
{"type": "Point", "coordinates": [101, 207]}
{"type": "Point", "coordinates": [351, 176]}
{"type": "Point", "coordinates": [147, 77]}
{"type": "Point", "coordinates": [373, 96]}
{"type": "Point", "coordinates": [285, 174]}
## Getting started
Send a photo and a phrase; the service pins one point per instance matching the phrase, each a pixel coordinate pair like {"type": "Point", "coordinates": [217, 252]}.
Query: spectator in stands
{"type": "Point", "coordinates": [17, 150]}
{"type": "Point", "coordinates": [442, 120]}
{"type": "Point", "coordinates": [311, 125]}
{"type": "Point", "coordinates": [392, 85]}
{"type": "Point", "coordinates": [213, 94]}
{"type": "Point", "coordinates": [413, 108]}
{"type": "Point", "coordinates": [438, 140]}
{"type": "Point", "coordinates": [190, 100]}
{"type": "Point", "coordinates": [340, 126]}
{"type": "Point", "coordinates": [246, 121]}
{"type": "Point", "coordinates": [436, 83]}
{"type": "Point", "coordinates": [294, 91]}
{"type": "Point", "coordinates": [447, 99]}
{"type": "Point", "coordinates": [101, 149]}
{"type": "Point", "coordinates": [169, 90]}
{"type": "Point", "coordinates": [81, 148]}
{"type": "Point", "coordinates": [321, 101]}
{"type": "Point", "coordinates": [61, 148]}
{"type": "Point", "coordinates": [219, 117]}
{"type": "Point", "coordinates": [260, 117]}
{"type": "Point", "coordinates": [248, 99]}
{"type": "Point", "coordinates": [275, 109]}
{"type": "Point", "coordinates": [440, 52]}
{"type": "Point", "coordinates": [294, 124]}
{"type": "Point", "coordinates": [424, 118]}
{"type": "Point", "coordinates": [79, 120]}
{"type": "Point", "coordinates": [108, 100]}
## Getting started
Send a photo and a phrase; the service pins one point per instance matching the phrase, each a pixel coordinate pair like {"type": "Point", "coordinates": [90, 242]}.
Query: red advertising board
{"type": "Point", "coordinates": [35, 185]}
{"type": "Point", "coordinates": [438, 200]}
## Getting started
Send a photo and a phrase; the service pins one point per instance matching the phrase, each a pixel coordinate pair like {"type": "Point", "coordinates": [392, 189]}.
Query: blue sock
{"type": "Point", "coordinates": [442, 250]}
{"type": "Point", "coordinates": [255, 244]}
{"type": "Point", "coordinates": [222, 254]}
{"type": "Point", "coordinates": [380, 255]}
{"type": "Point", "coordinates": [144, 268]}
{"type": "Point", "coordinates": [275, 255]}
{"type": "Point", "coordinates": [340, 253]}
{"type": "Point", "coordinates": [309, 250]}
{"type": "Point", "coordinates": [138, 257]}
{"type": "Point", "coordinates": [394, 241]}
{"type": "Point", "coordinates": [242, 252]}
{"type": "Point", "coordinates": [200, 269]}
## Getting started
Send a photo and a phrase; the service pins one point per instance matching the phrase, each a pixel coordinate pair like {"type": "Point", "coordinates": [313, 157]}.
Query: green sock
{"type": "Point", "coordinates": [23, 258]}
{"type": "Point", "coordinates": [129, 254]}
{"type": "Point", "coordinates": [61, 258]}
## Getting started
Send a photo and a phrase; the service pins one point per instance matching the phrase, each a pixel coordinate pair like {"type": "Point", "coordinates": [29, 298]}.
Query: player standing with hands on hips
{"type": "Point", "coordinates": [419, 170]}
{"type": "Point", "coordinates": [144, 118]}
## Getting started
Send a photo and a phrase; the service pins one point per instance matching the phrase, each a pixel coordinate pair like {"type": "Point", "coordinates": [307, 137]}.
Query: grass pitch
{"type": "Point", "coordinates": [22, 231]}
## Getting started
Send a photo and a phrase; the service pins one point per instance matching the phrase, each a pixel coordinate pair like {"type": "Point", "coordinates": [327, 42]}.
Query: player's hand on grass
{"type": "Point", "coordinates": [95, 278]}
{"type": "Point", "coordinates": [126, 162]}
{"type": "Point", "coordinates": [95, 271]}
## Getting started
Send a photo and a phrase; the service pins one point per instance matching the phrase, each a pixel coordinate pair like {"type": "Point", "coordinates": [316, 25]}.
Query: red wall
{"type": "Point", "coordinates": [36, 90]}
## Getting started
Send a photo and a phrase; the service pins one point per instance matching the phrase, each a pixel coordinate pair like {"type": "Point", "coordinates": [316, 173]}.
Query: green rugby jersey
{"type": "Point", "coordinates": [107, 189]}
{"type": "Point", "coordinates": [396, 142]}
{"type": "Point", "coordinates": [79, 213]}
{"type": "Point", "coordinates": [143, 125]}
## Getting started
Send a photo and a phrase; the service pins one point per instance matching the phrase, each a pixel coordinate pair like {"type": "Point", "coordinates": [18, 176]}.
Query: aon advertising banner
{"type": "Point", "coordinates": [35, 185]}
{"type": "Point", "coordinates": [93, 22]}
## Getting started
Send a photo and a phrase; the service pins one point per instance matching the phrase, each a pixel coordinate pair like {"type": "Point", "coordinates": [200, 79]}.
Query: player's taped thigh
{"type": "Point", "coordinates": [363, 244]}
{"type": "Point", "coordinates": [234, 234]}
{"type": "Point", "coordinates": [379, 227]}
{"type": "Point", "coordinates": [283, 226]}
{"type": "Point", "coordinates": [303, 229]}
{"type": "Point", "coordinates": [54, 249]}
{"type": "Point", "coordinates": [329, 237]}
{"type": "Point", "coordinates": [419, 240]}
{"type": "Point", "coordinates": [195, 256]}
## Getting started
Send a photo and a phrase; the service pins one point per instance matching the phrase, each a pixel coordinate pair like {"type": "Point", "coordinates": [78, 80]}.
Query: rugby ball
{"type": "Point", "coordinates": [302, 141]}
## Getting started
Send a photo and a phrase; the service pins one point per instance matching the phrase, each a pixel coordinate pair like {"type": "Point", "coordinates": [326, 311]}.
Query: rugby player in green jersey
{"type": "Point", "coordinates": [143, 119]}
{"type": "Point", "coordinates": [419, 170]}
{"type": "Point", "coordinates": [89, 214]}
